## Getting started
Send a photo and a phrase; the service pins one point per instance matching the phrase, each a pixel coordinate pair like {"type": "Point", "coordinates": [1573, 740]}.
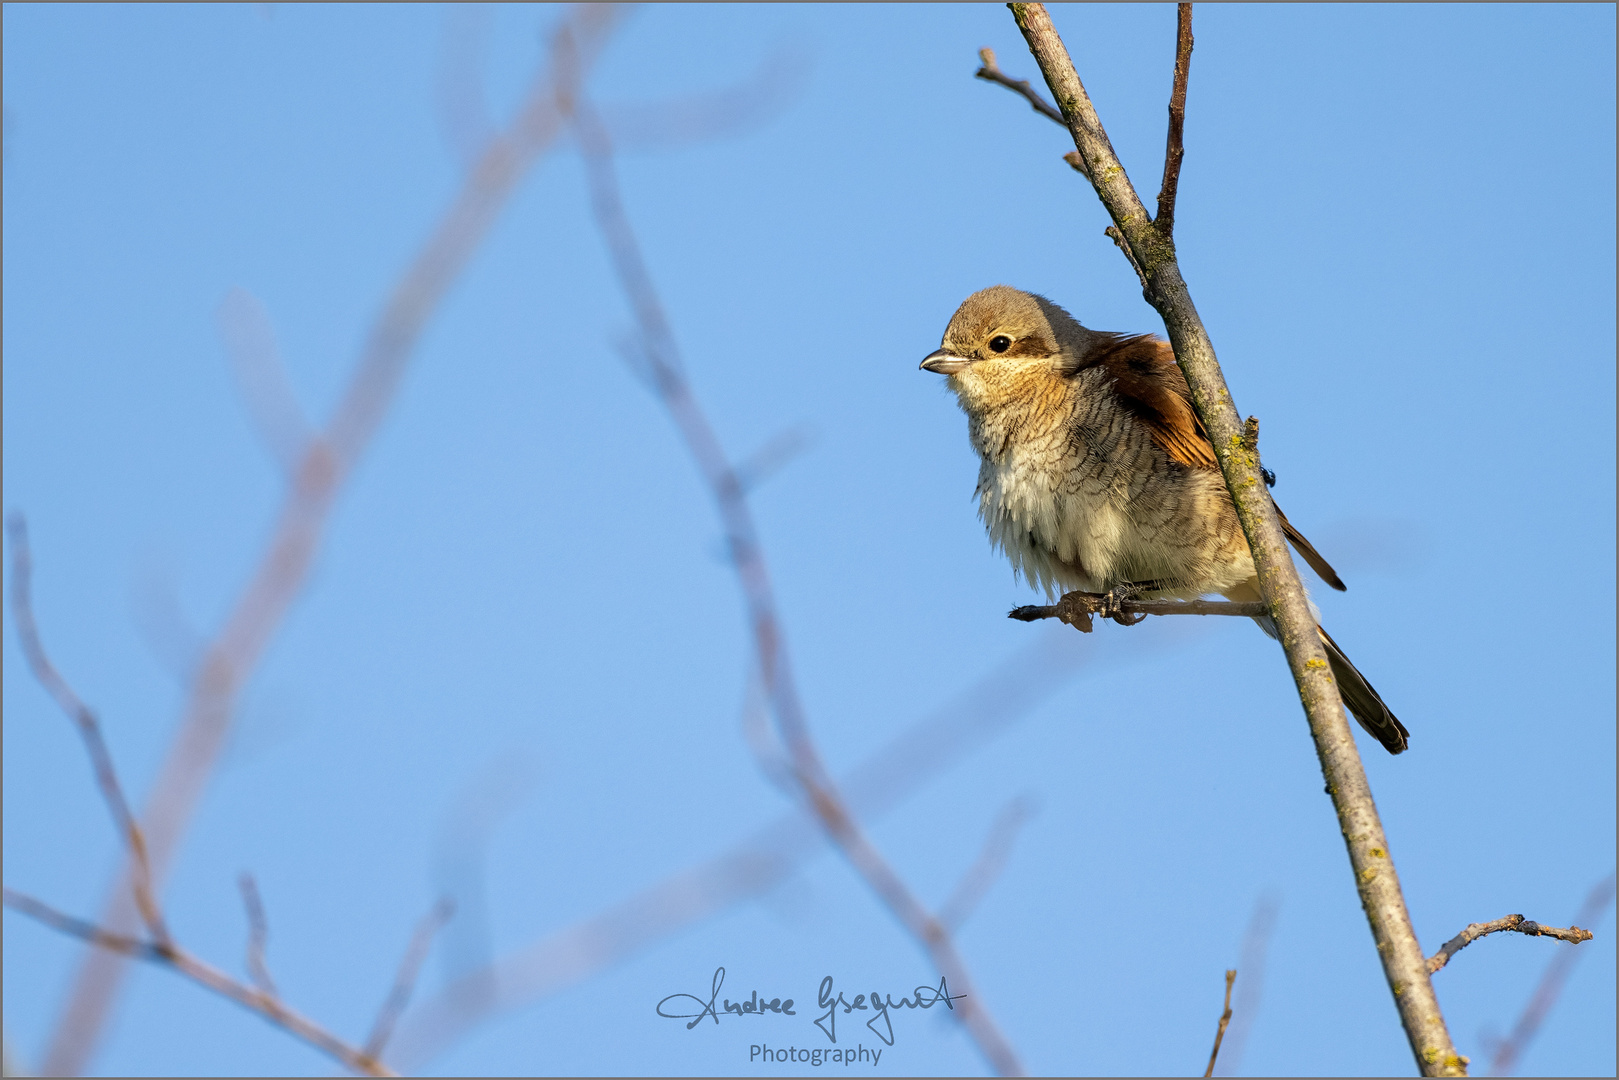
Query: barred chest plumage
{"type": "Point", "coordinates": [1080, 497]}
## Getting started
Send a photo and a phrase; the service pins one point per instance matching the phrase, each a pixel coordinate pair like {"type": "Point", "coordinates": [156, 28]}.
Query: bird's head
{"type": "Point", "coordinates": [1003, 341]}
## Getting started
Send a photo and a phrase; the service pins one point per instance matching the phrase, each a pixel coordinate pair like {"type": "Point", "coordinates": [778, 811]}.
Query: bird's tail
{"type": "Point", "coordinates": [1359, 698]}
{"type": "Point", "coordinates": [1363, 702]}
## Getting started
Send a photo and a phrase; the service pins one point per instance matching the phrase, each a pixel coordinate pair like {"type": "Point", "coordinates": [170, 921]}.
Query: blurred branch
{"type": "Point", "coordinates": [992, 858]}
{"type": "Point", "coordinates": [249, 338]}
{"type": "Point", "coordinates": [1504, 1058]}
{"type": "Point", "coordinates": [463, 109]}
{"type": "Point", "coordinates": [1251, 962]}
{"type": "Point", "coordinates": [756, 865]}
{"type": "Point", "coordinates": [1516, 923]}
{"type": "Point", "coordinates": [327, 461]}
{"type": "Point", "coordinates": [1225, 1018]}
{"type": "Point", "coordinates": [89, 728]}
{"type": "Point", "coordinates": [258, 934]}
{"type": "Point", "coordinates": [176, 959]}
{"type": "Point", "coordinates": [731, 111]}
{"type": "Point", "coordinates": [661, 359]}
{"type": "Point", "coordinates": [410, 966]}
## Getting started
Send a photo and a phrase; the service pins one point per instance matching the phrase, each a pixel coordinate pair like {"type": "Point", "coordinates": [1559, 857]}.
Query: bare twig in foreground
{"type": "Point", "coordinates": [176, 959]}
{"type": "Point", "coordinates": [112, 792]}
{"type": "Point", "coordinates": [991, 72]}
{"type": "Point", "coordinates": [1376, 881]}
{"type": "Point", "coordinates": [661, 366]}
{"type": "Point", "coordinates": [1516, 923]}
{"type": "Point", "coordinates": [1225, 1017]}
{"type": "Point", "coordinates": [1504, 1059]}
{"type": "Point", "coordinates": [410, 966]}
{"type": "Point", "coordinates": [258, 934]}
{"type": "Point", "coordinates": [331, 456]}
{"type": "Point", "coordinates": [970, 890]}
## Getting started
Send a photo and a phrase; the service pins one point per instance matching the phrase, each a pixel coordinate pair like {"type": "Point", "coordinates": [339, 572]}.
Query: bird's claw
{"type": "Point", "coordinates": [1112, 605]}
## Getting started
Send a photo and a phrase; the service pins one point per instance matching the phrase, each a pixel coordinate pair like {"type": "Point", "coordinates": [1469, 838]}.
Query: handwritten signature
{"type": "Point", "coordinates": [752, 1006]}
{"type": "Point", "coordinates": [828, 998]}
{"type": "Point", "coordinates": [924, 997]}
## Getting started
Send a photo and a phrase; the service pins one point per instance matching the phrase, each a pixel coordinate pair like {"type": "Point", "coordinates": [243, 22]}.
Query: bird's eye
{"type": "Point", "coordinates": [1000, 343]}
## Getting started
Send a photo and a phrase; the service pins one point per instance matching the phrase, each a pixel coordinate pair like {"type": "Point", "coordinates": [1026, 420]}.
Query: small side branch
{"type": "Point", "coordinates": [112, 792]}
{"type": "Point", "coordinates": [1174, 150]}
{"type": "Point", "coordinates": [203, 974]}
{"type": "Point", "coordinates": [1230, 975]}
{"type": "Point", "coordinates": [405, 980]}
{"type": "Point", "coordinates": [991, 72]}
{"type": "Point", "coordinates": [258, 934]}
{"type": "Point", "coordinates": [1076, 609]}
{"type": "Point", "coordinates": [1516, 923]}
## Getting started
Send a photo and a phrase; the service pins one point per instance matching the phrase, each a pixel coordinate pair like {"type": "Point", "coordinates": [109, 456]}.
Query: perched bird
{"type": "Point", "coordinates": [1095, 474]}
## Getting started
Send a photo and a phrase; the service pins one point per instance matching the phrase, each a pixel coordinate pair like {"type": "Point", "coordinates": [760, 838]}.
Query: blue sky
{"type": "Point", "coordinates": [1398, 225]}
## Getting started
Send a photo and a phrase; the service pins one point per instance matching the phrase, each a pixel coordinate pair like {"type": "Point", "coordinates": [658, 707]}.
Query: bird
{"type": "Point", "coordinates": [1095, 474]}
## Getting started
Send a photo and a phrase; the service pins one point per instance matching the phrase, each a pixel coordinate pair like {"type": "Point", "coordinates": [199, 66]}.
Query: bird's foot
{"type": "Point", "coordinates": [1113, 601]}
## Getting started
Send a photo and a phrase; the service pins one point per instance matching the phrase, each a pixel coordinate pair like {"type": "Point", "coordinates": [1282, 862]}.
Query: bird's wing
{"type": "Point", "coordinates": [1152, 387]}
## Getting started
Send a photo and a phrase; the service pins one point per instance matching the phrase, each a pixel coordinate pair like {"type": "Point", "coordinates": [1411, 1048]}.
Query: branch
{"type": "Point", "coordinates": [1076, 609]}
{"type": "Point", "coordinates": [410, 966]}
{"type": "Point", "coordinates": [1230, 975]}
{"type": "Point", "coordinates": [970, 890]}
{"type": "Point", "coordinates": [660, 359]}
{"type": "Point", "coordinates": [84, 719]}
{"type": "Point", "coordinates": [991, 72]}
{"type": "Point", "coordinates": [1516, 923]}
{"type": "Point", "coordinates": [1505, 1056]}
{"type": "Point", "coordinates": [330, 458]}
{"type": "Point", "coordinates": [258, 933]}
{"type": "Point", "coordinates": [1174, 151]}
{"type": "Point", "coordinates": [203, 974]}
{"type": "Point", "coordinates": [1404, 965]}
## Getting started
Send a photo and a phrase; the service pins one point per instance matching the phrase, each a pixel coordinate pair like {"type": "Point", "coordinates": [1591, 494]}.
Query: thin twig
{"type": "Point", "coordinates": [1504, 1058]}
{"type": "Point", "coordinates": [260, 610]}
{"type": "Point", "coordinates": [258, 934]}
{"type": "Point", "coordinates": [1230, 977]}
{"type": "Point", "coordinates": [203, 974]}
{"type": "Point", "coordinates": [1516, 923]}
{"type": "Point", "coordinates": [89, 728]}
{"type": "Point", "coordinates": [1112, 231]}
{"type": "Point", "coordinates": [661, 364]}
{"type": "Point", "coordinates": [1404, 965]}
{"type": "Point", "coordinates": [410, 966]}
{"type": "Point", "coordinates": [975, 883]}
{"type": "Point", "coordinates": [1174, 150]}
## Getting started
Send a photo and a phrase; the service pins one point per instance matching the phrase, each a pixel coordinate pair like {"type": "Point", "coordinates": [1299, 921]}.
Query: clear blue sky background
{"type": "Point", "coordinates": [1398, 223]}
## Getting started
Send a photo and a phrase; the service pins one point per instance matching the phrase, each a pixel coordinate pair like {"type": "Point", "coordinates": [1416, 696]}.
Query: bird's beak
{"type": "Point", "coordinates": [944, 362]}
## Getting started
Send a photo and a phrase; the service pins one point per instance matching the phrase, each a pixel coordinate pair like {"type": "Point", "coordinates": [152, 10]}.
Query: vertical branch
{"type": "Point", "coordinates": [1174, 151]}
{"type": "Point", "coordinates": [329, 458]}
{"type": "Point", "coordinates": [660, 363]}
{"type": "Point", "coordinates": [1404, 965]}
